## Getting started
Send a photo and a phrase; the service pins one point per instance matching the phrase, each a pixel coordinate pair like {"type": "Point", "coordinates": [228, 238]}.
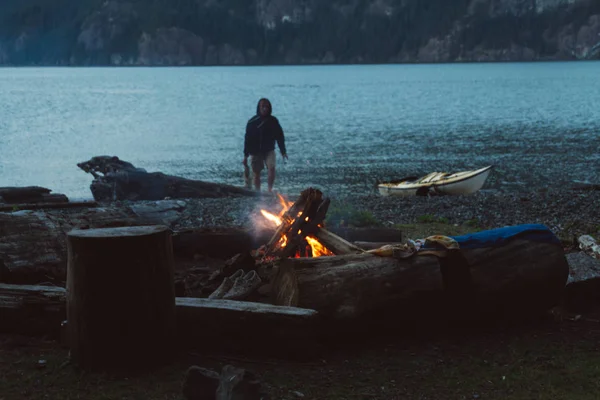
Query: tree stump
{"type": "Point", "coordinates": [120, 297]}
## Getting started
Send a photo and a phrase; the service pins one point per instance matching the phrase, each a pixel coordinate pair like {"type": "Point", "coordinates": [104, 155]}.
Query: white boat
{"type": "Point", "coordinates": [444, 183]}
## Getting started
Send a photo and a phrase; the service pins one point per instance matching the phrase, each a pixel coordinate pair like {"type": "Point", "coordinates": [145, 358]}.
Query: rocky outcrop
{"type": "Point", "coordinates": [170, 46]}
{"type": "Point", "coordinates": [3, 54]}
{"type": "Point", "coordinates": [271, 13]}
{"type": "Point", "coordinates": [106, 25]}
{"type": "Point", "coordinates": [229, 55]}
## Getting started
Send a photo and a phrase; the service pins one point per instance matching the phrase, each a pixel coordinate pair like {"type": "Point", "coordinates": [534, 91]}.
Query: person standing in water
{"type": "Point", "coordinates": [262, 131]}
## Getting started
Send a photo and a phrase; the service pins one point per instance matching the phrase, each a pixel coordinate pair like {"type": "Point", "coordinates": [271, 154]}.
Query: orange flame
{"type": "Point", "coordinates": [317, 249]}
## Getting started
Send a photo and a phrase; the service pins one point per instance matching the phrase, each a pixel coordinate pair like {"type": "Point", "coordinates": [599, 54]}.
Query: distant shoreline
{"type": "Point", "coordinates": [416, 63]}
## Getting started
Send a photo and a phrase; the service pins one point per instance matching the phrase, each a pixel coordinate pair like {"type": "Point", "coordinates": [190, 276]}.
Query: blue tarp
{"type": "Point", "coordinates": [498, 237]}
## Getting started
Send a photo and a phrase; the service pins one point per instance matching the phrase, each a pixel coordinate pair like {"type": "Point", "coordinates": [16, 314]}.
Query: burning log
{"type": "Point", "coordinates": [335, 243]}
{"type": "Point", "coordinates": [297, 225]}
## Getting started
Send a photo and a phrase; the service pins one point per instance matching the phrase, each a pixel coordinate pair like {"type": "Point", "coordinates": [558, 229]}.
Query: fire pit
{"type": "Point", "coordinates": [305, 265]}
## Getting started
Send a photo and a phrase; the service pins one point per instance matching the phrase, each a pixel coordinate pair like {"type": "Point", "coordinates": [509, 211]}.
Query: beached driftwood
{"type": "Point", "coordinates": [133, 324]}
{"type": "Point", "coordinates": [202, 324]}
{"type": "Point", "coordinates": [116, 179]}
{"type": "Point", "coordinates": [351, 285]}
{"type": "Point", "coordinates": [30, 194]}
{"type": "Point", "coordinates": [32, 309]}
{"type": "Point", "coordinates": [33, 245]}
{"type": "Point", "coordinates": [521, 276]}
{"type": "Point", "coordinates": [46, 206]}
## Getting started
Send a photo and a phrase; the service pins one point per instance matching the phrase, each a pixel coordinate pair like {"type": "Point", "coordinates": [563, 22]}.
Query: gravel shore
{"type": "Point", "coordinates": [567, 212]}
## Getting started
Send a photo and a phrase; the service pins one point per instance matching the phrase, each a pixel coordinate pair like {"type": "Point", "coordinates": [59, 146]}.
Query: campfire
{"type": "Point", "coordinates": [291, 224]}
{"type": "Point", "coordinates": [299, 234]}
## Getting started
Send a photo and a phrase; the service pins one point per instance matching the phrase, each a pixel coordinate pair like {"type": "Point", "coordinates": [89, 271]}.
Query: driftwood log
{"type": "Point", "coordinates": [120, 297]}
{"type": "Point", "coordinates": [33, 245]}
{"type": "Point", "coordinates": [45, 206]}
{"type": "Point", "coordinates": [349, 286]}
{"type": "Point", "coordinates": [216, 326]}
{"type": "Point", "coordinates": [116, 179]}
{"type": "Point", "coordinates": [32, 309]}
{"type": "Point", "coordinates": [519, 277]}
{"type": "Point", "coordinates": [30, 194]}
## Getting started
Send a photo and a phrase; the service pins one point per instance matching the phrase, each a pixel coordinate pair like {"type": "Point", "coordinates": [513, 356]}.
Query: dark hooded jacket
{"type": "Point", "coordinates": [262, 133]}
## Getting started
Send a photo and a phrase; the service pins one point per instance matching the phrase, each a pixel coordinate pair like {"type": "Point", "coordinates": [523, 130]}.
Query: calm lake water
{"type": "Point", "coordinates": [345, 126]}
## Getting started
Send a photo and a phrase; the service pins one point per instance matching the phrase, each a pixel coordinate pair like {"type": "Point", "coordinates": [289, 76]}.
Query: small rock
{"type": "Point", "coordinates": [41, 364]}
{"type": "Point", "coordinates": [298, 394]}
{"type": "Point", "coordinates": [238, 384]}
{"type": "Point", "coordinates": [200, 384]}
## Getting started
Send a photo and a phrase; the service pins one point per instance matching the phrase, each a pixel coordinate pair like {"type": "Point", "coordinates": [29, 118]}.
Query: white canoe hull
{"type": "Point", "coordinates": [460, 183]}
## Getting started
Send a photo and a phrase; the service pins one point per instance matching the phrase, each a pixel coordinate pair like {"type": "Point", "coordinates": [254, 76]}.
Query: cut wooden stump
{"type": "Point", "coordinates": [121, 299]}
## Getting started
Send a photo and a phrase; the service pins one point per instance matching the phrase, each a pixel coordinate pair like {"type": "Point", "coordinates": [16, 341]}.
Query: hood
{"type": "Point", "coordinates": [268, 103]}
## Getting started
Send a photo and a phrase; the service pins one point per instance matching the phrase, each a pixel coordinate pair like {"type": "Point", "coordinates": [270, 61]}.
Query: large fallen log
{"type": "Point", "coordinates": [501, 272]}
{"type": "Point", "coordinates": [351, 285]}
{"type": "Point", "coordinates": [33, 244]}
{"type": "Point", "coordinates": [45, 206]}
{"type": "Point", "coordinates": [222, 242]}
{"type": "Point", "coordinates": [115, 179]}
{"type": "Point", "coordinates": [32, 309]}
{"type": "Point", "coordinates": [30, 194]}
{"type": "Point", "coordinates": [202, 324]}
